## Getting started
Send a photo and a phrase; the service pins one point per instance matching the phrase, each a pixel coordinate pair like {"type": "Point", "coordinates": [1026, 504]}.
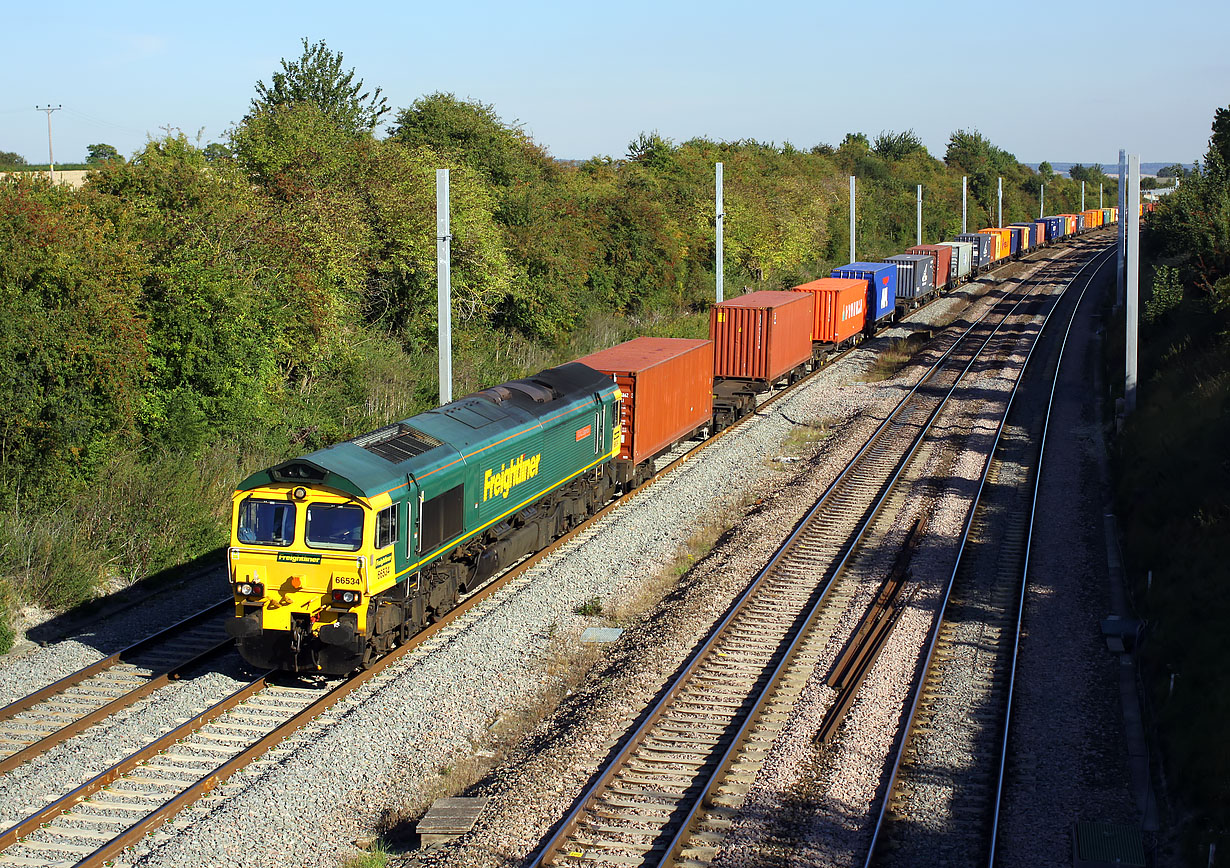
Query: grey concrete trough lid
{"type": "Point", "coordinates": [1107, 845]}
{"type": "Point", "coordinates": [601, 634]}
{"type": "Point", "coordinates": [449, 818]}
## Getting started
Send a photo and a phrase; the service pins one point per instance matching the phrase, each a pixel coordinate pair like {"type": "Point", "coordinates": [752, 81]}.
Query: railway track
{"type": "Point", "coordinates": [119, 806]}
{"type": "Point", "coordinates": [31, 726]}
{"type": "Point", "coordinates": [942, 801]}
{"type": "Point", "coordinates": [673, 789]}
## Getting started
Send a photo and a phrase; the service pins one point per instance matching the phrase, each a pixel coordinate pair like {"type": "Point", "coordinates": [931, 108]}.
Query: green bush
{"type": "Point", "coordinates": [1166, 296]}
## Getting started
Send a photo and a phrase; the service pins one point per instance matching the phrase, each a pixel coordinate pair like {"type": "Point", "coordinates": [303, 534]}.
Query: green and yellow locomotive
{"type": "Point", "coordinates": [337, 556]}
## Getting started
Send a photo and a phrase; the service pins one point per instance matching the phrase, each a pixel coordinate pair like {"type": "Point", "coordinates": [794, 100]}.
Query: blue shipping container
{"type": "Point", "coordinates": [1055, 228]}
{"type": "Point", "coordinates": [982, 247]}
{"type": "Point", "coordinates": [881, 280]}
{"type": "Point", "coordinates": [1030, 240]}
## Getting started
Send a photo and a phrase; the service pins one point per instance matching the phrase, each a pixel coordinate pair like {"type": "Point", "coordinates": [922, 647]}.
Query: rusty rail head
{"type": "Point", "coordinates": [120, 702]}
{"type": "Point", "coordinates": [124, 766]}
{"type": "Point", "coordinates": [27, 702]}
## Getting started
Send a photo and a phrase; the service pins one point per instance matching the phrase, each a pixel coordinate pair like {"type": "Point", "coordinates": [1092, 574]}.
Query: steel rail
{"type": "Point", "coordinates": [1016, 645]}
{"type": "Point", "coordinates": [569, 823]}
{"type": "Point", "coordinates": [685, 828]}
{"type": "Point", "coordinates": [968, 524]}
{"type": "Point", "coordinates": [25, 703]}
{"type": "Point", "coordinates": [80, 724]}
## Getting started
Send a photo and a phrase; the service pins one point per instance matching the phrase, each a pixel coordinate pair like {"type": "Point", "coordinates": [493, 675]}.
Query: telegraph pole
{"type": "Point", "coordinates": [717, 210]}
{"type": "Point", "coordinates": [51, 160]}
{"type": "Point", "coordinates": [444, 288]}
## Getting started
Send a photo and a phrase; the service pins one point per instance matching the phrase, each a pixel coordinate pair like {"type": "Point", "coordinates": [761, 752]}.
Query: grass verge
{"type": "Point", "coordinates": [895, 356]}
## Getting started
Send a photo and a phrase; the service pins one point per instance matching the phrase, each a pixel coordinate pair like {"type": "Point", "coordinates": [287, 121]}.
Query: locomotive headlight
{"type": "Point", "coordinates": [345, 598]}
{"type": "Point", "coordinates": [251, 590]}
{"type": "Point", "coordinates": [299, 493]}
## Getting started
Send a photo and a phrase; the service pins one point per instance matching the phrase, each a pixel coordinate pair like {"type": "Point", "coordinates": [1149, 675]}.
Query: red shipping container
{"type": "Point", "coordinates": [841, 308]}
{"type": "Point", "coordinates": [943, 261]}
{"type": "Point", "coordinates": [761, 335]}
{"type": "Point", "coordinates": [667, 388]}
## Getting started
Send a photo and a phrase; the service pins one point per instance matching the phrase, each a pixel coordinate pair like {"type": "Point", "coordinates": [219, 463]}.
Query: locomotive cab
{"type": "Point", "coordinates": [301, 563]}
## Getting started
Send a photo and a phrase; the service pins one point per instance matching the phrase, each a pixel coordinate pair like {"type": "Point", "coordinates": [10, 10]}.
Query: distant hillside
{"type": "Point", "coordinates": [1111, 168]}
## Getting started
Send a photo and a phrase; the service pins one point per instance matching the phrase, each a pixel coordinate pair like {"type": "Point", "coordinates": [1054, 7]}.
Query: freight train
{"type": "Point", "coordinates": [339, 555]}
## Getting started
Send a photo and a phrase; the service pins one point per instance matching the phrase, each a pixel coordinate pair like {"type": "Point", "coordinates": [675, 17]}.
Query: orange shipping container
{"type": "Point", "coordinates": [943, 261]}
{"type": "Point", "coordinates": [667, 391]}
{"type": "Point", "coordinates": [841, 308]}
{"type": "Point", "coordinates": [1002, 245]}
{"type": "Point", "coordinates": [762, 335]}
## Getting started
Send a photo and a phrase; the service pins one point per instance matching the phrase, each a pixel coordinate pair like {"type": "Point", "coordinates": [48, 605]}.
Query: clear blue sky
{"type": "Point", "coordinates": [585, 79]}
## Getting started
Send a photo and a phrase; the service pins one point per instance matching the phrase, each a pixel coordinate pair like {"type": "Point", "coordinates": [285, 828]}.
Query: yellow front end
{"type": "Point", "coordinates": [298, 562]}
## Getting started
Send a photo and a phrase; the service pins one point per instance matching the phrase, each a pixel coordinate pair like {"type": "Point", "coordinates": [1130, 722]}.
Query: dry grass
{"type": "Point", "coordinates": [895, 356]}
{"type": "Point", "coordinates": [805, 436]}
{"type": "Point", "coordinates": [650, 592]}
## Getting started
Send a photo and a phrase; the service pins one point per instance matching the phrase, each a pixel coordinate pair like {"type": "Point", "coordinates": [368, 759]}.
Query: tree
{"type": "Point", "coordinates": [1174, 170]}
{"type": "Point", "coordinates": [100, 153]}
{"type": "Point", "coordinates": [317, 78]}
{"type": "Point", "coordinates": [855, 141]}
{"type": "Point", "coordinates": [1089, 174]}
{"type": "Point", "coordinates": [216, 153]}
{"type": "Point", "coordinates": [1220, 140]}
{"type": "Point", "coordinates": [473, 133]}
{"type": "Point", "coordinates": [1045, 170]}
{"type": "Point", "coordinates": [651, 149]}
{"type": "Point", "coordinates": [897, 146]}
{"type": "Point", "coordinates": [8, 158]}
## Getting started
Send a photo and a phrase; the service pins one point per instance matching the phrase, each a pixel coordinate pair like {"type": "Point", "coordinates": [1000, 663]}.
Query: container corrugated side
{"type": "Point", "coordinates": [841, 308]}
{"type": "Point", "coordinates": [942, 256]}
{"type": "Point", "coordinates": [667, 390]}
{"type": "Point", "coordinates": [982, 248]}
{"type": "Point", "coordinates": [881, 280]}
{"type": "Point", "coordinates": [921, 269]}
{"type": "Point", "coordinates": [962, 258]}
{"type": "Point", "coordinates": [1028, 240]}
{"type": "Point", "coordinates": [761, 336]}
{"type": "Point", "coordinates": [999, 247]}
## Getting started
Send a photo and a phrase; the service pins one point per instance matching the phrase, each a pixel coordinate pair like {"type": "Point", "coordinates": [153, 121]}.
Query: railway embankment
{"type": "Point", "coordinates": [1172, 489]}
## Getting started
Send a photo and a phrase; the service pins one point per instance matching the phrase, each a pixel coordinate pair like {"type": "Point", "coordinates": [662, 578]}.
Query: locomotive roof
{"type": "Point", "coordinates": [380, 460]}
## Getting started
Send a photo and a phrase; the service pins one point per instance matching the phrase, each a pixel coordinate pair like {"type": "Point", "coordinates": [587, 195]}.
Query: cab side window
{"type": "Point", "coordinates": [386, 526]}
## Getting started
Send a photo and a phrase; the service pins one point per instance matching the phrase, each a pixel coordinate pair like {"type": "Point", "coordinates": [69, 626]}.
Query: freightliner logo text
{"type": "Point", "coordinates": [498, 483]}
